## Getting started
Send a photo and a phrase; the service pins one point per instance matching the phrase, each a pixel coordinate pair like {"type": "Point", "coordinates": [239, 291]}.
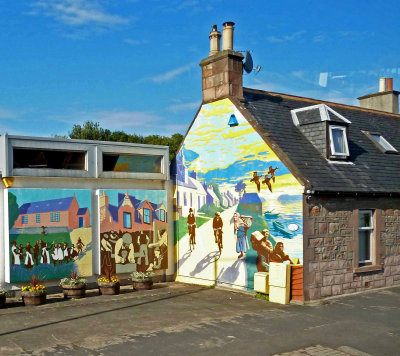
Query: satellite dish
{"type": "Point", "coordinates": [248, 63]}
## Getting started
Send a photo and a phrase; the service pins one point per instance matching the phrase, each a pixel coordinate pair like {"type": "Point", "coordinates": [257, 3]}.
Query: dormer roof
{"type": "Point", "coordinates": [317, 113]}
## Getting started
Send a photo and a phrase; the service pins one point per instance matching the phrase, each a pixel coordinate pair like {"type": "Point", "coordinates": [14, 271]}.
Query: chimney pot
{"type": "Point", "coordinates": [215, 40]}
{"type": "Point", "coordinates": [386, 99]}
{"type": "Point", "coordinates": [382, 84]}
{"type": "Point", "coordinates": [389, 84]}
{"type": "Point", "coordinates": [227, 38]}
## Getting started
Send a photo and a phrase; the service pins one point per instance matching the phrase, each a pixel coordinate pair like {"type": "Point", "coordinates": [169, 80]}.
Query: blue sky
{"type": "Point", "coordinates": [133, 64]}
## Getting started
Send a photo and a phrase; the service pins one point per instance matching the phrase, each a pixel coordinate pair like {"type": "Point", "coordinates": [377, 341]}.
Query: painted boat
{"type": "Point", "coordinates": [270, 214]}
{"type": "Point", "coordinates": [282, 229]}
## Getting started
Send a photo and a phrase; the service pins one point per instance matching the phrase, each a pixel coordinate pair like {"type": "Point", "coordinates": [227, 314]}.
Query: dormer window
{"type": "Point", "coordinates": [338, 141]}
{"type": "Point", "coordinates": [325, 128]}
{"type": "Point", "coordinates": [380, 142]}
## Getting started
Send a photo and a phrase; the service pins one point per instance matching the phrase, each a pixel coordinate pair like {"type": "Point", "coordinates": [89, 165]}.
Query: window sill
{"type": "Point", "coordinates": [370, 268]}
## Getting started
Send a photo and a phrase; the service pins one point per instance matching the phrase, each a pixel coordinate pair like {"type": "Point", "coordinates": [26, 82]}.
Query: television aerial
{"type": "Point", "coordinates": [248, 64]}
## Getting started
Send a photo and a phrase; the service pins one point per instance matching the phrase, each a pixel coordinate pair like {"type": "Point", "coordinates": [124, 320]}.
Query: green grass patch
{"type": "Point", "coordinates": [181, 228]}
{"type": "Point", "coordinates": [262, 296]}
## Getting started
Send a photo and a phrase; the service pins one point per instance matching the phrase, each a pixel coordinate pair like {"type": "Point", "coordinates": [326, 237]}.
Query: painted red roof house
{"type": "Point", "coordinates": [131, 214]}
{"type": "Point", "coordinates": [63, 212]}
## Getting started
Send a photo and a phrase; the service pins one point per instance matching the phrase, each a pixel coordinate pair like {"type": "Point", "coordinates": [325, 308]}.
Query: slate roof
{"type": "Point", "coordinates": [251, 198]}
{"type": "Point", "coordinates": [113, 210]}
{"type": "Point", "coordinates": [81, 211]}
{"type": "Point", "coordinates": [45, 206]}
{"type": "Point", "coordinates": [369, 170]}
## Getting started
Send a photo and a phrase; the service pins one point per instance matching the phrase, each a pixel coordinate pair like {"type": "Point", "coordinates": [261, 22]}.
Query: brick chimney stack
{"type": "Point", "coordinates": [386, 99]}
{"type": "Point", "coordinates": [222, 72]}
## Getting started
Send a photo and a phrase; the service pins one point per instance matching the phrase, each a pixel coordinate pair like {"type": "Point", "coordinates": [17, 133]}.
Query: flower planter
{"type": "Point", "coordinates": [109, 288]}
{"type": "Point", "coordinates": [33, 298]}
{"type": "Point", "coordinates": [76, 291]}
{"type": "Point", "coordinates": [2, 300]}
{"type": "Point", "coordinates": [140, 284]}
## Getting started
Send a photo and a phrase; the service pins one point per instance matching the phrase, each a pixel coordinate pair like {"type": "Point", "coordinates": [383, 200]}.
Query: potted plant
{"type": "Point", "coordinates": [73, 286]}
{"type": "Point", "coordinates": [3, 295]}
{"type": "Point", "coordinates": [142, 280]}
{"type": "Point", "coordinates": [34, 293]}
{"type": "Point", "coordinates": [108, 284]}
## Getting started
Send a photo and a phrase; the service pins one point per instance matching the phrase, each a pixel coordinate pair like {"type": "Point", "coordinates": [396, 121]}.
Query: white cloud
{"type": "Point", "coordinates": [184, 106]}
{"type": "Point", "coordinates": [167, 76]}
{"type": "Point", "coordinates": [7, 114]}
{"type": "Point", "coordinates": [318, 38]}
{"type": "Point", "coordinates": [79, 15]}
{"type": "Point", "coordinates": [134, 42]}
{"type": "Point", "coordinates": [141, 122]}
{"type": "Point", "coordinates": [286, 38]}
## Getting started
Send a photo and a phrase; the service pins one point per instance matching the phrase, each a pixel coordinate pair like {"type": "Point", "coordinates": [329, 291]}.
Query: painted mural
{"type": "Point", "coordinates": [50, 233]}
{"type": "Point", "coordinates": [138, 163]}
{"type": "Point", "coordinates": [133, 230]}
{"type": "Point", "coordinates": [238, 207]}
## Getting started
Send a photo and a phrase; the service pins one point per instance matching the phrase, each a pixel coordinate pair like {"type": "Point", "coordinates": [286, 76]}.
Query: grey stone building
{"type": "Point", "coordinates": [347, 159]}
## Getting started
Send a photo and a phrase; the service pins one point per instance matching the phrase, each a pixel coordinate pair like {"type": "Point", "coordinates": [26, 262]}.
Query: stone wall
{"type": "Point", "coordinates": [330, 246]}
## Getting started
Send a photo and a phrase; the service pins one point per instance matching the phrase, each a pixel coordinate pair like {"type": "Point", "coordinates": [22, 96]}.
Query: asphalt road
{"type": "Point", "coordinates": [177, 319]}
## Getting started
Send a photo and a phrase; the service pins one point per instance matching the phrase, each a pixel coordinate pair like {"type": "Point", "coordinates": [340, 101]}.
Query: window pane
{"type": "Point", "coordinates": [146, 214]}
{"type": "Point", "coordinates": [364, 219]}
{"type": "Point", "coordinates": [382, 141]}
{"type": "Point", "coordinates": [364, 246]}
{"type": "Point", "coordinates": [127, 220]}
{"type": "Point", "coordinates": [45, 159]}
{"type": "Point", "coordinates": [131, 163]}
{"type": "Point", "coordinates": [338, 141]}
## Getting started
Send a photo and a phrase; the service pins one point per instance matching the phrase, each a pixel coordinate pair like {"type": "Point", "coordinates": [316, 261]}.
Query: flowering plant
{"type": "Point", "coordinates": [34, 286]}
{"type": "Point", "coordinates": [108, 278]}
{"type": "Point", "coordinates": [3, 292]}
{"type": "Point", "coordinates": [142, 275]}
{"type": "Point", "coordinates": [72, 280]}
{"type": "Point", "coordinates": [112, 279]}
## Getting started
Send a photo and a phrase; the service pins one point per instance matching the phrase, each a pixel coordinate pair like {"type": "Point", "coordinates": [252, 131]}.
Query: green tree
{"type": "Point", "coordinates": [240, 187]}
{"type": "Point", "coordinates": [217, 192]}
{"type": "Point", "coordinates": [13, 210]}
{"type": "Point", "coordinates": [92, 131]}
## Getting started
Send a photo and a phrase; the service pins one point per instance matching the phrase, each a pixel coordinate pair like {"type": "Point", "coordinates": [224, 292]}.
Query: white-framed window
{"type": "Point", "coordinates": [365, 237]}
{"type": "Point", "coordinates": [338, 141]}
{"type": "Point", "coordinates": [383, 143]}
{"type": "Point", "coordinates": [162, 215]}
{"type": "Point", "coordinates": [37, 218]}
{"type": "Point", "coordinates": [146, 216]}
{"type": "Point", "coordinates": [24, 219]}
{"type": "Point", "coordinates": [127, 220]}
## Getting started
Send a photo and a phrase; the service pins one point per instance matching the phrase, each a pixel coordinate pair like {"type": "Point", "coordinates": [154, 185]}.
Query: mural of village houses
{"type": "Point", "coordinates": [50, 233]}
{"type": "Point", "coordinates": [237, 205]}
{"type": "Point", "coordinates": [133, 230]}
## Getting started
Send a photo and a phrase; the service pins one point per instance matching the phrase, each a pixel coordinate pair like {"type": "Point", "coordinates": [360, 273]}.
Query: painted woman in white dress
{"type": "Point", "coordinates": [60, 254]}
{"type": "Point", "coordinates": [54, 255]}
{"type": "Point", "coordinates": [15, 254]}
{"type": "Point", "coordinates": [28, 258]}
{"type": "Point", "coordinates": [45, 256]}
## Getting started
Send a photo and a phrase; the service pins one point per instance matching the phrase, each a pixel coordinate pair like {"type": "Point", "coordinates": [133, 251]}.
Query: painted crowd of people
{"type": "Point", "coordinates": [260, 241]}
{"type": "Point", "coordinates": [43, 253]}
{"type": "Point", "coordinates": [122, 248]}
